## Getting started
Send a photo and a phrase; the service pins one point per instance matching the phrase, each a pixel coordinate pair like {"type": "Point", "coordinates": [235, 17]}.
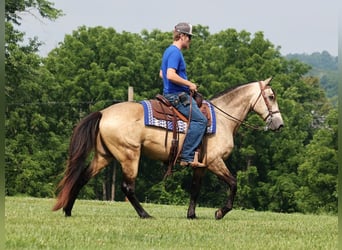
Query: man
{"type": "Point", "coordinates": [177, 89]}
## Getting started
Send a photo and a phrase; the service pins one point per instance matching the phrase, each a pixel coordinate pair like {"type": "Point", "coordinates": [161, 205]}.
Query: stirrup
{"type": "Point", "coordinates": [194, 164]}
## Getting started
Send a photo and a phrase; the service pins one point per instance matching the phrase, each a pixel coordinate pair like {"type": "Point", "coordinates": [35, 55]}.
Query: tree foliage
{"type": "Point", "coordinates": [33, 139]}
{"type": "Point", "coordinates": [295, 170]}
{"type": "Point", "coordinates": [325, 67]}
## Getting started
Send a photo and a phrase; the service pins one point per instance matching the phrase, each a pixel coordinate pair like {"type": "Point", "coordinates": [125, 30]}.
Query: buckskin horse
{"type": "Point", "coordinates": [119, 132]}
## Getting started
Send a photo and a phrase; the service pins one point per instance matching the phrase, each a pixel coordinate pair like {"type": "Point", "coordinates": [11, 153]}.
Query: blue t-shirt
{"type": "Point", "coordinates": [173, 58]}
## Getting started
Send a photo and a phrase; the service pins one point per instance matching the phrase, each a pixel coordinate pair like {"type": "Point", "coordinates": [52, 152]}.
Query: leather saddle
{"type": "Point", "coordinates": [162, 109]}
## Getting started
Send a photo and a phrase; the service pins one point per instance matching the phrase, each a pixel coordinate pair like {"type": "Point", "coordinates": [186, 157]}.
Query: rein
{"type": "Point", "coordinates": [245, 123]}
{"type": "Point", "coordinates": [242, 123]}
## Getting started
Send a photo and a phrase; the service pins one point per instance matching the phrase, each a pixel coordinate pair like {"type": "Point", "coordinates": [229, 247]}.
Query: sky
{"type": "Point", "coordinates": [297, 26]}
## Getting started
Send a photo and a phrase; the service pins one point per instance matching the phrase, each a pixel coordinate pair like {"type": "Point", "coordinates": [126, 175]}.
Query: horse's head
{"type": "Point", "coordinates": [267, 107]}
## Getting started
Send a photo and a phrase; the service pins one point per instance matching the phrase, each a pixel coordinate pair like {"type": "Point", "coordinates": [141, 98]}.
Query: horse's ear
{"type": "Point", "coordinates": [268, 80]}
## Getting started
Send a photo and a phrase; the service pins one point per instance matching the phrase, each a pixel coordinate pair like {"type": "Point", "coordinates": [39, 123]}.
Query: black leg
{"type": "Point", "coordinates": [83, 179]}
{"type": "Point", "coordinates": [220, 213]}
{"type": "Point", "coordinates": [194, 191]}
{"type": "Point", "coordinates": [129, 191]}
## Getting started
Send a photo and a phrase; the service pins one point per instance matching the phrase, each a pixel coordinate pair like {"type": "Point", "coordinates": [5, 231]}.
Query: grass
{"type": "Point", "coordinates": [30, 224]}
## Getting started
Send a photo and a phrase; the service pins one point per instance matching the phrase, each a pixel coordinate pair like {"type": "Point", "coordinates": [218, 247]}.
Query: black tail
{"type": "Point", "coordinates": [83, 141]}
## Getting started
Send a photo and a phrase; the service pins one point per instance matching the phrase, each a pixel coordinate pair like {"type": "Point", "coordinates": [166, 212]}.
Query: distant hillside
{"type": "Point", "coordinates": [325, 67]}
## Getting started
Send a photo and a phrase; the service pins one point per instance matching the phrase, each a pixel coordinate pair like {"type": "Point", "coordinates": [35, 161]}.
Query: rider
{"type": "Point", "coordinates": [177, 90]}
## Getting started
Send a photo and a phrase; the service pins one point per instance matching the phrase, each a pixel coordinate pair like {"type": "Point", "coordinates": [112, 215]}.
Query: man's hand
{"type": "Point", "coordinates": [193, 87]}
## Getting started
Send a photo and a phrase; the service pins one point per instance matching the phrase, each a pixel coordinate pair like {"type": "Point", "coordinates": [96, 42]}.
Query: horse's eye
{"type": "Point", "coordinates": [271, 97]}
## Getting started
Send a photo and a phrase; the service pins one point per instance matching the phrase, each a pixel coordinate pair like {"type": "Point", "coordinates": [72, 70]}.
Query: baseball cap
{"type": "Point", "coordinates": [185, 28]}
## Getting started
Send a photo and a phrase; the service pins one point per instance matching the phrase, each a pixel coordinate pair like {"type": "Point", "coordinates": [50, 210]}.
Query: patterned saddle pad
{"type": "Point", "coordinates": [151, 120]}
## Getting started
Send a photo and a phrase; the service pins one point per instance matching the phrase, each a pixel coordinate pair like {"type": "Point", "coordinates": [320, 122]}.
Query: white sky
{"type": "Point", "coordinates": [297, 26]}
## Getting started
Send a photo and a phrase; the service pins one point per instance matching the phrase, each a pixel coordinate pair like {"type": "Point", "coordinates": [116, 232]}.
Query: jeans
{"type": "Point", "coordinates": [197, 127]}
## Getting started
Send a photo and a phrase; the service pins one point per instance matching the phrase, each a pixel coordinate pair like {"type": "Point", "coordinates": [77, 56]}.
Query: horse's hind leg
{"type": "Point", "coordinates": [130, 171]}
{"type": "Point", "coordinates": [194, 191]}
{"type": "Point", "coordinates": [81, 181]}
{"type": "Point", "coordinates": [128, 188]}
{"type": "Point", "coordinates": [98, 163]}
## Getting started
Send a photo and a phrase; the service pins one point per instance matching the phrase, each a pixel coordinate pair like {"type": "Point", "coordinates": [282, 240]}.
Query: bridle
{"type": "Point", "coordinates": [268, 118]}
{"type": "Point", "coordinates": [269, 108]}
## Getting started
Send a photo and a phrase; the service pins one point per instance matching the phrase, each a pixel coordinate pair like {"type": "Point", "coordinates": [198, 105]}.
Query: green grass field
{"type": "Point", "coordinates": [30, 224]}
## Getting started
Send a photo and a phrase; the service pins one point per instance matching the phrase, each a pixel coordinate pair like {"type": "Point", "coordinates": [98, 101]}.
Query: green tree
{"type": "Point", "coordinates": [247, 196]}
{"type": "Point", "coordinates": [31, 145]}
{"type": "Point", "coordinates": [318, 170]}
{"type": "Point", "coordinates": [325, 67]}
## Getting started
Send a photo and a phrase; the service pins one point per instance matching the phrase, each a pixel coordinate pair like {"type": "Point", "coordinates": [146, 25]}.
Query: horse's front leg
{"type": "Point", "coordinates": [223, 173]}
{"type": "Point", "coordinates": [194, 191]}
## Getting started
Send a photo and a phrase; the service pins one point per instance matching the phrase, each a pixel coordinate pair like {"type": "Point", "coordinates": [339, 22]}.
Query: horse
{"type": "Point", "coordinates": [118, 131]}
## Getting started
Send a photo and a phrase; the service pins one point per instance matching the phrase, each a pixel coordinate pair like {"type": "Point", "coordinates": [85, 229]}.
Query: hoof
{"type": "Point", "coordinates": [67, 213]}
{"type": "Point", "coordinates": [218, 214]}
{"type": "Point", "coordinates": [146, 216]}
{"type": "Point", "coordinates": [192, 216]}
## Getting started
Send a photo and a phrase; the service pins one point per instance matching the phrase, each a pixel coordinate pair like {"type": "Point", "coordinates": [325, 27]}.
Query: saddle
{"type": "Point", "coordinates": [162, 109]}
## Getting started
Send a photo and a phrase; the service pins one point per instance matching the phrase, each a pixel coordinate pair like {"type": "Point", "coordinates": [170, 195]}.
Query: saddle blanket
{"type": "Point", "coordinates": [152, 121]}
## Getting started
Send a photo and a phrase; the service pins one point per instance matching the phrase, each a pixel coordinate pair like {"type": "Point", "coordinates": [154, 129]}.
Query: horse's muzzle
{"type": "Point", "coordinates": [280, 128]}
{"type": "Point", "coordinates": [274, 123]}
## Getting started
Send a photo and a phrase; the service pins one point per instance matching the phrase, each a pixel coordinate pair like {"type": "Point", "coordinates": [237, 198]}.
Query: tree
{"type": "Point", "coordinates": [325, 67]}
{"type": "Point", "coordinates": [318, 170]}
{"type": "Point", "coordinates": [31, 145]}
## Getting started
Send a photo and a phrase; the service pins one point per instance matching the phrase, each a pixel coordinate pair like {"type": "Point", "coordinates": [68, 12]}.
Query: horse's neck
{"type": "Point", "coordinates": [237, 102]}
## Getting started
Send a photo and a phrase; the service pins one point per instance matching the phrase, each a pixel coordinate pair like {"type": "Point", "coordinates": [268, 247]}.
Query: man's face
{"type": "Point", "coordinates": [186, 39]}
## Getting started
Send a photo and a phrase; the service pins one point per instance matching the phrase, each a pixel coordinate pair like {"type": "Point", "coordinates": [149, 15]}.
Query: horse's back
{"type": "Point", "coordinates": [122, 124]}
{"type": "Point", "coordinates": [123, 111]}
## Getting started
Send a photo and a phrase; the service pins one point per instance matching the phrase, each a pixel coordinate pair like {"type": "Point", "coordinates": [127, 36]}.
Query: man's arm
{"type": "Point", "coordinates": [175, 78]}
